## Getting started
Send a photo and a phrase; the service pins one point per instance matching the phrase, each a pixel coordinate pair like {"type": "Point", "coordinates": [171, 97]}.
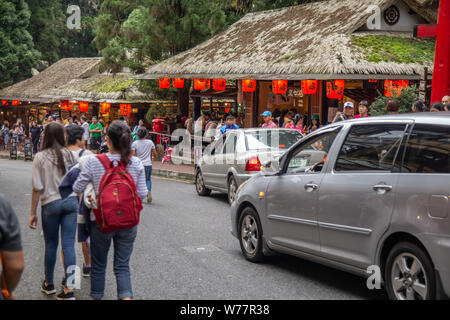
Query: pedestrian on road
{"type": "Point", "coordinates": [363, 109]}
{"type": "Point", "coordinates": [49, 167]}
{"type": "Point", "coordinates": [145, 150]}
{"type": "Point", "coordinates": [11, 253]}
{"type": "Point", "coordinates": [446, 100]}
{"type": "Point", "coordinates": [96, 130]}
{"type": "Point", "coordinates": [35, 135]}
{"type": "Point", "coordinates": [268, 120]}
{"type": "Point", "coordinates": [349, 108]}
{"type": "Point", "coordinates": [392, 107]}
{"type": "Point", "coordinates": [418, 106]}
{"type": "Point", "coordinates": [6, 133]}
{"type": "Point", "coordinates": [119, 144]}
{"type": "Point", "coordinates": [314, 125]}
{"type": "Point", "coordinates": [229, 125]}
{"type": "Point", "coordinates": [18, 131]}
{"type": "Point", "coordinates": [75, 144]}
{"type": "Point", "coordinates": [136, 128]}
{"type": "Point", "coordinates": [85, 126]}
{"type": "Point", "coordinates": [437, 107]}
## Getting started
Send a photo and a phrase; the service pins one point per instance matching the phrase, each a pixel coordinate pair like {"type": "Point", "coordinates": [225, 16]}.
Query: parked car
{"type": "Point", "coordinates": [361, 193]}
{"type": "Point", "coordinates": [237, 156]}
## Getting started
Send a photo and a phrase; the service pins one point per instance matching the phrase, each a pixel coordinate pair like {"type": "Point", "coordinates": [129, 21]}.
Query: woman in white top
{"type": "Point", "coordinates": [58, 216]}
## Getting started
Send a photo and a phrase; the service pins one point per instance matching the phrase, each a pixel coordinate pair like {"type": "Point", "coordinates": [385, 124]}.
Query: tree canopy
{"type": "Point", "coordinates": [17, 53]}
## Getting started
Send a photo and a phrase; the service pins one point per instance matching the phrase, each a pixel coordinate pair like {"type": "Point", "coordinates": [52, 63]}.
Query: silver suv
{"type": "Point", "coordinates": [362, 193]}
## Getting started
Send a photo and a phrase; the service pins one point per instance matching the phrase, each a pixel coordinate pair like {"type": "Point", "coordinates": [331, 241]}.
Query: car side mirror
{"type": "Point", "coordinates": [271, 168]}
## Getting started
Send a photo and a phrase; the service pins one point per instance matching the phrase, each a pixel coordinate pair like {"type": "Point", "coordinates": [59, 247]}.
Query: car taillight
{"type": "Point", "coordinates": [253, 164]}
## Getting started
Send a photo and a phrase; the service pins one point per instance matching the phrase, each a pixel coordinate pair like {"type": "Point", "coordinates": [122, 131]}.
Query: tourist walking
{"type": "Point", "coordinates": [392, 107]}
{"type": "Point", "coordinates": [58, 216]}
{"type": "Point", "coordinates": [229, 125]}
{"type": "Point", "coordinates": [145, 150]}
{"type": "Point", "coordinates": [35, 135]}
{"type": "Point", "coordinates": [119, 158]}
{"type": "Point", "coordinates": [18, 132]}
{"type": "Point", "coordinates": [268, 120]}
{"type": "Point", "coordinates": [6, 134]}
{"type": "Point", "coordinates": [349, 108]}
{"type": "Point", "coordinates": [11, 252]}
{"type": "Point", "coordinates": [96, 130]}
{"type": "Point", "coordinates": [86, 135]}
{"type": "Point", "coordinates": [363, 108]}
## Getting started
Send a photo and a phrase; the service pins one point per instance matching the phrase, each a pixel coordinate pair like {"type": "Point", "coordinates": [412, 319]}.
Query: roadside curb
{"type": "Point", "coordinates": [173, 175]}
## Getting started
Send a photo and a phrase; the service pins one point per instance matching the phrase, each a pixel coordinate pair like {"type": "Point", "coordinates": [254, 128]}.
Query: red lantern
{"type": "Point", "coordinates": [208, 84]}
{"type": "Point", "coordinates": [70, 105]}
{"type": "Point", "coordinates": [227, 110]}
{"type": "Point", "coordinates": [4, 103]}
{"type": "Point", "coordinates": [335, 89]}
{"type": "Point", "coordinates": [279, 86]}
{"type": "Point", "coordinates": [125, 109]}
{"type": "Point", "coordinates": [164, 83]}
{"type": "Point", "coordinates": [64, 104]}
{"type": "Point", "coordinates": [248, 85]}
{"type": "Point", "coordinates": [105, 107]}
{"type": "Point", "coordinates": [394, 88]}
{"type": "Point", "coordinates": [15, 102]}
{"type": "Point", "coordinates": [200, 84]}
{"type": "Point", "coordinates": [219, 84]}
{"type": "Point", "coordinates": [83, 106]}
{"type": "Point", "coordinates": [178, 83]}
{"type": "Point", "coordinates": [309, 86]}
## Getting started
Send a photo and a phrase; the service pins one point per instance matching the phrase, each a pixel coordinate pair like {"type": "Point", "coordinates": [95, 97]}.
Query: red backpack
{"type": "Point", "coordinates": [119, 205]}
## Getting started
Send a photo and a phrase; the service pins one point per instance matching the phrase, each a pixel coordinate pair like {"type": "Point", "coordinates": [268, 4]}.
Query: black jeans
{"type": "Point", "coordinates": [35, 145]}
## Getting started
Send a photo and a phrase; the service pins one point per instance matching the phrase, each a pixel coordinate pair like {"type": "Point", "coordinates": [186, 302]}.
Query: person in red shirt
{"type": "Point", "coordinates": [363, 109]}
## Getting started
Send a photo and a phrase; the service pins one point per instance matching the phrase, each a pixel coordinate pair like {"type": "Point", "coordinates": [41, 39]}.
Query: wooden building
{"type": "Point", "coordinates": [362, 42]}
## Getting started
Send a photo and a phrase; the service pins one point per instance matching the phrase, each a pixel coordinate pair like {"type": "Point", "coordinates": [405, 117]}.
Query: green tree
{"type": "Point", "coordinates": [406, 99]}
{"type": "Point", "coordinates": [17, 53]}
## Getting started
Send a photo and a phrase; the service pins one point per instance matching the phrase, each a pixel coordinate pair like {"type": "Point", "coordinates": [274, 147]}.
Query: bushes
{"type": "Point", "coordinates": [405, 100]}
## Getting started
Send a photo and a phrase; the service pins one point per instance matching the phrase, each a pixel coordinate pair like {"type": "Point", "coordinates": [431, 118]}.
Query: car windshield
{"type": "Point", "coordinates": [272, 139]}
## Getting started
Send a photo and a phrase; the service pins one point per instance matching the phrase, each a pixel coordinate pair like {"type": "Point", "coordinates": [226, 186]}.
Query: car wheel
{"type": "Point", "coordinates": [232, 189]}
{"type": "Point", "coordinates": [200, 185]}
{"type": "Point", "coordinates": [409, 273]}
{"type": "Point", "coordinates": [251, 235]}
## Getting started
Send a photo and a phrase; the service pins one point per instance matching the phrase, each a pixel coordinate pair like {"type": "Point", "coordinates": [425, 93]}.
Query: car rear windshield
{"type": "Point", "coordinates": [271, 139]}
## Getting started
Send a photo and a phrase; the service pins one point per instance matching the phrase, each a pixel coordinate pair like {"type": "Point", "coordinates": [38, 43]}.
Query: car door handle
{"type": "Point", "coordinates": [311, 187]}
{"type": "Point", "coordinates": [384, 187]}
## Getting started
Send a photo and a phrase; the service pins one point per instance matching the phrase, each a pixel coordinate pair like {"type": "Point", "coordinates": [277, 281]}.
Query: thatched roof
{"type": "Point", "coordinates": [309, 41]}
{"type": "Point", "coordinates": [101, 88]}
{"type": "Point", "coordinates": [60, 73]}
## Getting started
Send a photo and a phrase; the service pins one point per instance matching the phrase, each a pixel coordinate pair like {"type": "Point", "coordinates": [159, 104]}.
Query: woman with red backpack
{"type": "Point", "coordinates": [120, 185]}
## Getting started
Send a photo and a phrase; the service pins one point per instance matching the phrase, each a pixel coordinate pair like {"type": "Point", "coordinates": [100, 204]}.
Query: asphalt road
{"type": "Point", "coordinates": [184, 250]}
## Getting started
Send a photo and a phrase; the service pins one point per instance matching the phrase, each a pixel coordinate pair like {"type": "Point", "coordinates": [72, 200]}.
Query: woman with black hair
{"type": "Point", "coordinates": [119, 143]}
{"type": "Point", "coordinates": [418, 106]}
{"type": "Point", "coordinates": [49, 168]}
